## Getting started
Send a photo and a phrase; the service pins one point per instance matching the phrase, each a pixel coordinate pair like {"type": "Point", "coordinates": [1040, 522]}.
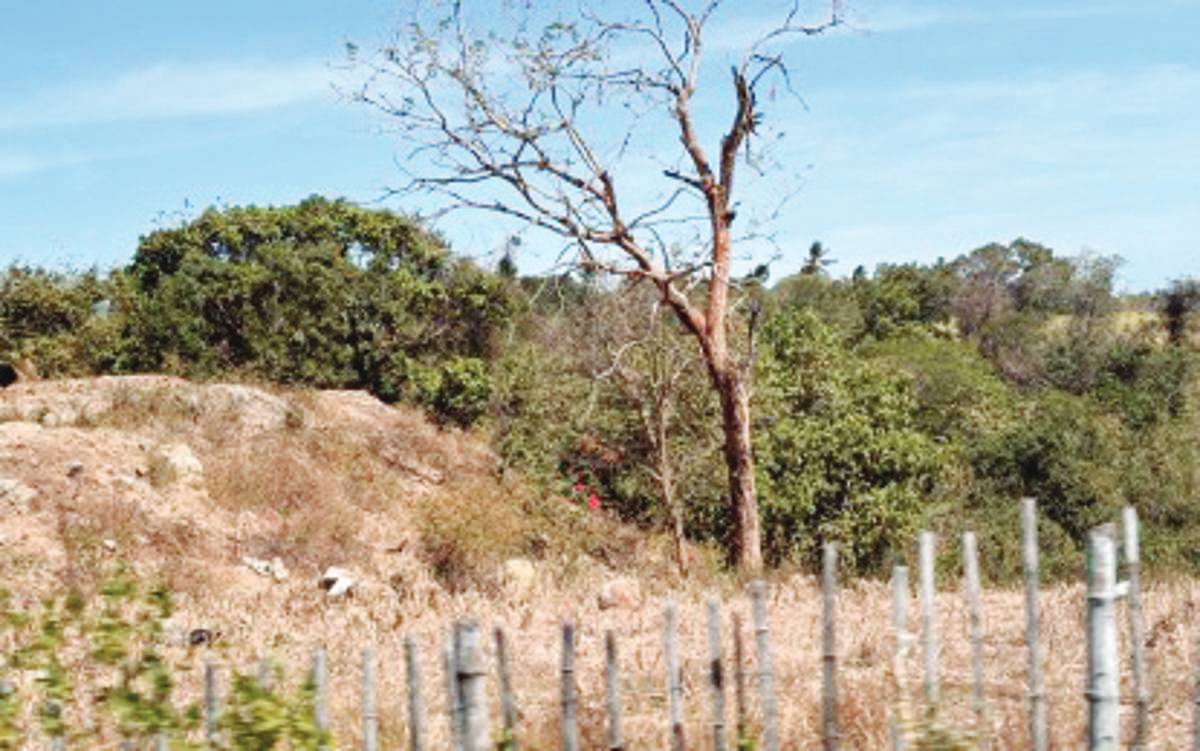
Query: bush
{"type": "Point", "coordinates": [839, 455]}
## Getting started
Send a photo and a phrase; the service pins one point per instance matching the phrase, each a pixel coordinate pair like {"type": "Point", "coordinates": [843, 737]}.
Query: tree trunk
{"type": "Point", "coordinates": [734, 390]}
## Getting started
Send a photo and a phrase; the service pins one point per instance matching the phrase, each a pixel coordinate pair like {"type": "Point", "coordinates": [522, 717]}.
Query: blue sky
{"type": "Point", "coordinates": [929, 128]}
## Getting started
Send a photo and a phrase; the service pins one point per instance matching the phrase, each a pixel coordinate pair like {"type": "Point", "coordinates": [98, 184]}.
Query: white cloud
{"type": "Point", "coordinates": [20, 165]}
{"type": "Point", "coordinates": [884, 17]}
{"type": "Point", "coordinates": [169, 90]}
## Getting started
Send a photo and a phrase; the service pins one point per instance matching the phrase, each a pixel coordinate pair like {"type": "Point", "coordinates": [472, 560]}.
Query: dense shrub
{"type": "Point", "coordinates": [839, 454]}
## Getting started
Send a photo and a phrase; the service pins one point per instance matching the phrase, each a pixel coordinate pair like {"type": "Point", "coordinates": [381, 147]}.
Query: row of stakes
{"type": "Point", "coordinates": [469, 718]}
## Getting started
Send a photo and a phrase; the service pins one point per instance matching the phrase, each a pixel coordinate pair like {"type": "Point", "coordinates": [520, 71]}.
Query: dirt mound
{"type": "Point", "coordinates": [189, 481]}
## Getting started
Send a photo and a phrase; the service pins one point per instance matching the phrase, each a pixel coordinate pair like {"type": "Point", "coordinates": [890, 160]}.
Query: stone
{"type": "Point", "coordinates": [17, 494]}
{"type": "Point", "coordinates": [337, 582]}
{"type": "Point", "coordinates": [177, 464]}
{"type": "Point", "coordinates": [518, 573]}
{"type": "Point", "coordinates": [621, 592]}
{"type": "Point", "coordinates": [74, 469]}
{"type": "Point", "coordinates": [109, 544]}
{"type": "Point", "coordinates": [273, 568]}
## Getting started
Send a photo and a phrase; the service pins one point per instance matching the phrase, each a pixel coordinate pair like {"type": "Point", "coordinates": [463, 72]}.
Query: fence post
{"type": "Point", "coordinates": [570, 726]}
{"type": "Point", "coordinates": [716, 675]}
{"type": "Point", "coordinates": [674, 680]}
{"type": "Point", "coordinates": [1037, 687]}
{"type": "Point", "coordinates": [453, 700]}
{"type": "Point", "coordinates": [829, 727]}
{"type": "Point", "coordinates": [477, 735]}
{"type": "Point", "coordinates": [975, 614]}
{"type": "Point", "coordinates": [929, 637]}
{"type": "Point", "coordinates": [370, 711]}
{"type": "Point", "coordinates": [1196, 695]}
{"type": "Point", "coordinates": [612, 692]}
{"type": "Point", "coordinates": [901, 720]}
{"type": "Point", "coordinates": [508, 708]}
{"type": "Point", "coordinates": [210, 702]}
{"type": "Point", "coordinates": [320, 687]}
{"type": "Point", "coordinates": [1137, 627]}
{"type": "Point", "coordinates": [412, 676]}
{"type": "Point", "coordinates": [739, 681]}
{"type": "Point", "coordinates": [766, 679]}
{"type": "Point", "coordinates": [1102, 644]}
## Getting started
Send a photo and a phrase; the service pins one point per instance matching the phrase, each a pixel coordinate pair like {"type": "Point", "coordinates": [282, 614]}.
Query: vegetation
{"type": "Point", "coordinates": [915, 395]}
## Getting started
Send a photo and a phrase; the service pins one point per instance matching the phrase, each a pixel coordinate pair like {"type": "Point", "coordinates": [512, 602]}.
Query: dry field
{"type": "Point", "coordinates": [425, 522]}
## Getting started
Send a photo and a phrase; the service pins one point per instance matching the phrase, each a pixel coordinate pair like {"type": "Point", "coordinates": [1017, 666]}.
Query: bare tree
{"type": "Point", "coordinates": [537, 117]}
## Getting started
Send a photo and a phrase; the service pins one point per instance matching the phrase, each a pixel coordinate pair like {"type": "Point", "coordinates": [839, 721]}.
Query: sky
{"type": "Point", "coordinates": [927, 128]}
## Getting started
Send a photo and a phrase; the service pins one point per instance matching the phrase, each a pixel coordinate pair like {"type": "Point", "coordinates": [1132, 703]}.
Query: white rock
{"type": "Point", "coordinates": [621, 592]}
{"type": "Point", "coordinates": [337, 582]}
{"type": "Point", "coordinates": [17, 494]}
{"type": "Point", "coordinates": [518, 573]}
{"type": "Point", "coordinates": [273, 568]}
{"type": "Point", "coordinates": [181, 465]}
{"type": "Point", "coordinates": [109, 544]}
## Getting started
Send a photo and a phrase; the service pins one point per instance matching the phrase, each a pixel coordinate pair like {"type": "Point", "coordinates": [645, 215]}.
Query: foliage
{"type": "Point", "coordinates": [840, 456]}
{"type": "Point", "coordinates": [117, 645]}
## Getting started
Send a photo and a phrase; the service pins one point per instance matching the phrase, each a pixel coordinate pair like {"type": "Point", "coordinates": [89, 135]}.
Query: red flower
{"type": "Point", "coordinates": [580, 487]}
{"type": "Point", "coordinates": [593, 501]}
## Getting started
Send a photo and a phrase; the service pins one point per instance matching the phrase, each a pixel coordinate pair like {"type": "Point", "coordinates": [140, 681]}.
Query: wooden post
{"type": "Point", "coordinates": [1102, 644]}
{"type": "Point", "coordinates": [674, 680]}
{"type": "Point", "coordinates": [477, 732]}
{"type": "Point", "coordinates": [1037, 686]}
{"type": "Point", "coordinates": [453, 700]}
{"type": "Point", "coordinates": [1196, 695]}
{"type": "Point", "coordinates": [716, 675]}
{"type": "Point", "coordinates": [739, 682]}
{"type": "Point", "coordinates": [211, 729]}
{"type": "Point", "coordinates": [929, 637]}
{"type": "Point", "coordinates": [570, 725]}
{"type": "Point", "coordinates": [766, 678]}
{"type": "Point", "coordinates": [264, 675]}
{"type": "Point", "coordinates": [416, 712]}
{"type": "Point", "coordinates": [320, 687]}
{"type": "Point", "coordinates": [829, 727]}
{"type": "Point", "coordinates": [370, 711]}
{"type": "Point", "coordinates": [612, 692]}
{"type": "Point", "coordinates": [975, 614]}
{"type": "Point", "coordinates": [1137, 628]}
{"type": "Point", "coordinates": [508, 707]}
{"type": "Point", "coordinates": [900, 720]}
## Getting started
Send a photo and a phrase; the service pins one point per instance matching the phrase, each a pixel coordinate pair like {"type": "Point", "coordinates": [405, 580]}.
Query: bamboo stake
{"type": "Point", "coordinates": [1196, 695]}
{"type": "Point", "coordinates": [370, 711]}
{"type": "Point", "coordinates": [1102, 693]}
{"type": "Point", "coordinates": [508, 708]}
{"type": "Point", "coordinates": [612, 686]}
{"type": "Point", "coordinates": [929, 636]}
{"type": "Point", "coordinates": [975, 614]}
{"type": "Point", "coordinates": [1137, 628]}
{"type": "Point", "coordinates": [716, 675]}
{"type": "Point", "coordinates": [453, 702]}
{"type": "Point", "coordinates": [674, 682]}
{"type": "Point", "coordinates": [766, 679]}
{"type": "Point", "coordinates": [320, 686]}
{"type": "Point", "coordinates": [1037, 687]}
{"type": "Point", "coordinates": [477, 732]}
{"type": "Point", "coordinates": [210, 702]}
{"type": "Point", "coordinates": [416, 718]}
{"type": "Point", "coordinates": [739, 681]}
{"type": "Point", "coordinates": [829, 732]}
{"type": "Point", "coordinates": [901, 721]}
{"type": "Point", "coordinates": [570, 725]}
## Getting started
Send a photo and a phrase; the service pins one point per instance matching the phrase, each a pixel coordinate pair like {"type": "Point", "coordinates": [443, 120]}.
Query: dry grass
{"type": "Point", "coordinates": [532, 619]}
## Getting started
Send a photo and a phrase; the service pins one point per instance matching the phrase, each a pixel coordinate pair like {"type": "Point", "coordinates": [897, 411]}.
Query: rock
{"type": "Point", "coordinates": [109, 544]}
{"type": "Point", "coordinates": [273, 568]}
{"type": "Point", "coordinates": [518, 573]}
{"type": "Point", "coordinates": [621, 592]}
{"type": "Point", "coordinates": [176, 463]}
{"type": "Point", "coordinates": [337, 582]}
{"type": "Point", "coordinates": [17, 494]}
{"type": "Point", "coordinates": [74, 469]}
